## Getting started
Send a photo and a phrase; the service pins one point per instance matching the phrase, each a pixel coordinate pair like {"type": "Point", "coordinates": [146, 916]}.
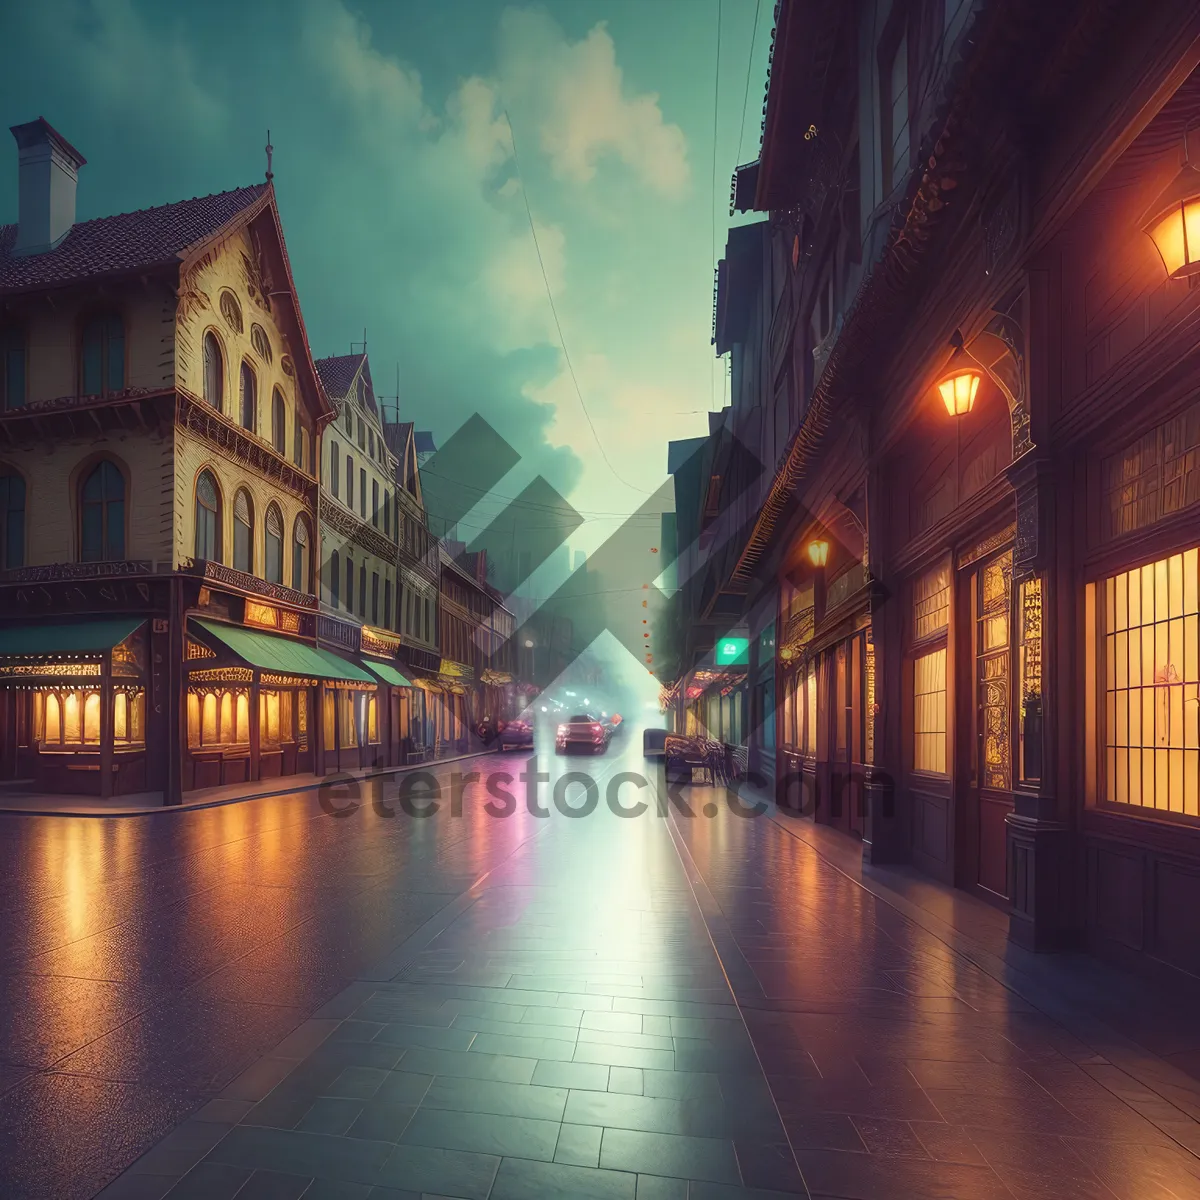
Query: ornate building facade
{"type": "Point", "coordinates": [158, 447]}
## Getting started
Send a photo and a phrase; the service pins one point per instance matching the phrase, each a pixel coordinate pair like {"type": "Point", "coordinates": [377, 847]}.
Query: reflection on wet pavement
{"type": "Point", "coordinates": [526, 1006]}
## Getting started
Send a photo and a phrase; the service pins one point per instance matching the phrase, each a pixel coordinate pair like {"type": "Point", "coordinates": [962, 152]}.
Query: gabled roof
{"type": "Point", "coordinates": [133, 241]}
{"type": "Point", "coordinates": [338, 373]}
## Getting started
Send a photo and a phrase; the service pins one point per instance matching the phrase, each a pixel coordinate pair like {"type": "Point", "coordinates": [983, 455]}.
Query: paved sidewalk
{"type": "Point", "coordinates": [702, 1009]}
{"type": "Point", "coordinates": [17, 802]}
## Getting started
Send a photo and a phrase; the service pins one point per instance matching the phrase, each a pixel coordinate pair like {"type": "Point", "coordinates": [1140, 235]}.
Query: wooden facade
{"type": "Point", "coordinates": [990, 669]}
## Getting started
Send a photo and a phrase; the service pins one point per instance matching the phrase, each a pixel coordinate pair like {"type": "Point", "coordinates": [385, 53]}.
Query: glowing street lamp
{"type": "Point", "coordinates": [818, 552]}
{"type": "Point", "coordinates": [1173, 223]}
{"type": "Point", "coordinates": [960, 383]}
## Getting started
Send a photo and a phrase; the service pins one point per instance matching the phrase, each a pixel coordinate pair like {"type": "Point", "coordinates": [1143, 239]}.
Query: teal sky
{"type": "Point", "coordinates": [401, 199]}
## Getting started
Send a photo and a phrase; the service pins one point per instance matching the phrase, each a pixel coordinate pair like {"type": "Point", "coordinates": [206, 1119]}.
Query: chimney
{"type": "Point", "coordinates": [49, 170]}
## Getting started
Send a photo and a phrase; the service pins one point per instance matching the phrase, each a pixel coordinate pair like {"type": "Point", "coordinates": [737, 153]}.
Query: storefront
{"type": "Point", "coordinates": [73, 705]}
{"type": "Point", "coordinates": [251, 702]}
{"type": "Point", "coordinates": [378, 654]}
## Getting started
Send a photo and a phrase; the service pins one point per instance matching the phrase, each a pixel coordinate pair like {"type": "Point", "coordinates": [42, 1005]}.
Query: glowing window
{"type": "Point", "coordinates": [929, 712]}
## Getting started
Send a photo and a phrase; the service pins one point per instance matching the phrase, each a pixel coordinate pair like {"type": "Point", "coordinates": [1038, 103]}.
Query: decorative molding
{"type": "Point", "coordinates": [59, 572]}
{"type": "Point", "coordinates": [354, 530]}
{"type": "Point", "coordinates": [380, 642]}
{"type": "Point", "coordinates": [206, 424]}
{"type": "Point", "coordinates": [229, 577]}
{"type": "Point", "coordinates": [985, 546]}
{"type": "Point", "coordinates": [221, 675]}
{"type": "Point", "coordinates": [341, 633]}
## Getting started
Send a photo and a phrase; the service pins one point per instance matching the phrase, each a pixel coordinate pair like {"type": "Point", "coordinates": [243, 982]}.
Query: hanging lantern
{"type": "Point", "coordinates": [960, 383]}
{"type": "Point", "coordinates": [1173, 223]}
{"type": "Point", "coordinates": [818, 553]}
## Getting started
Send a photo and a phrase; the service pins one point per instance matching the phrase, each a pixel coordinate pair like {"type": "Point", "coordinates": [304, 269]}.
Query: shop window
{"type": "Point", "coordinates": [931, 602]}
{"type": "Point", "coordinates": [102, 514]}
{"type": "Point", "coordinates": [65, 719]}
{"type": "Point", "coordinates": [273, 545]}
{"type": "Point", "coordinates": [12, 520]}
{"type": "Point", "coordinates": [929, 712]}
{"type": "Point", "coordinates": [373, 720]}
{"type": "Point", "coordinates": [214, 372]}
{"type": "Point", "coordinates": [243, 532]}
{"type": "Point", "coordinates": [1030, 642]}
{"type": "Point", "coordinates": [102, 365]}
{"type": "Point", "coordinates": [276, 717]}
{"type": "Point", "coordinates": [208, 519]}
{"type": "Point", "coordinates": [1151, 626]}
{"type": "Point", "coordinates": [810, 709]}
{"type": "Point", "coordinates": [218, 717]}
{"type": "Point", "coordinates": [329, 719]}
{"type": "Point", "coordinates": [12, 368]}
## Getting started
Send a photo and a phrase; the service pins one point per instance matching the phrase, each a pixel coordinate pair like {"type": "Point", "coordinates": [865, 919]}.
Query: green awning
{"type": "Point", "coordinates": [75, 637]}
{"type": "Point", "coordinates": [270, 652]}
{"type": "Point", "coordinates": [387, 673]}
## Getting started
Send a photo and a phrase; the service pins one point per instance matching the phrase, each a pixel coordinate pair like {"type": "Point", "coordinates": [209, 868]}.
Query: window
{"type": "Point", "coordinates": [243, 532]}
{"type": "Point", "coordinates": [231, 311]}
{"type": "Point", "coordinates": [349, 482]}
{"type": "Point", "coordinates": [335, 579]}
{"type": "Point", "coordinates": [273, 545]}
{"type": "Point", "coordinates": [208, 519]}
{"type": "Point", "coordinates": [102, 514]}
{"type": "Point", "coordinates": [362, 434]}
{"type": "Point", "coordinates": [894, 76]}
{"type": "Point", "coordinates": [810, 706]}
{"type": "Point", "coordinates": [349, 584]}
{"type": "Point", "coordinates": [1151, 627]}
{"type": "Point", "coordinates": [931, 602]}
{"type": "Point", "coordinates": [12, 368]}
{"type": "Point", "coordinates": [218, 717]}
{"type": "Point", "coordinates": [371, 442]}
{"type": "Point", "coordinates": [334, 468]}
{"type": "Point", "coordinates": [374, 597]}
{"type": "Point", "coordinates": [428, 625]}
{"type": "Point", "coordinates": [362, 492]}
{"type": "Point", "coordinates": [72, 718]}
{"type": "Point", "coordinates": [260, 342]}
{"type": "Point", "coordinates": [387, 604]}
{"type": "Point", "coordinates": [103, 359]}
{"type": "Point", "coordinates": [214, 372]}
{"type": "Point", "coordinates": [278, 423]}
{"type": "Point", "coordinates": [375, 503]}
{"type": "Point", "coordinates": [362, 591]}
{"type": "Point", "coordinates": [12, 520]}
{"type": "Point", "coordinates": [299, 438]}
{"type": "Point", "coordinates": [300, 555]}
{"type": "Point", "coordinates": [929, 712]}
{"type": "Point", "coordinates": [249, 399]}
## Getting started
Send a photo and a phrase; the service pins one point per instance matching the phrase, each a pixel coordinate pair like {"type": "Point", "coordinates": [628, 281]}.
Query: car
{"type": "Point", "coordinates": [583, 731]}
{"type": "Point", "coordinates": [516, 735]}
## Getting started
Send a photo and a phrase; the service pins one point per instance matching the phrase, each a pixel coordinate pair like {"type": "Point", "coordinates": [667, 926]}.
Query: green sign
{"type": "Point", "coordinates": [731, 651]}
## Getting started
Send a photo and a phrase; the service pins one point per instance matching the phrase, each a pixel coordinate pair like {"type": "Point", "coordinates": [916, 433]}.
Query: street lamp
{"type": "Point", "coordinates": [960, 383]}
{"type": "Point", "coordinates": [1173, 223]}
{"type": "Point", "coordinates": [818, 552]}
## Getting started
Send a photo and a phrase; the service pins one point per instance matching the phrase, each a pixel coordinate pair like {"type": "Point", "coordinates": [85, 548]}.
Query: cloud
{"type": "Point", "coordinates": [586, 111]}
{"type": "Point", "coordinates": [108, 52]}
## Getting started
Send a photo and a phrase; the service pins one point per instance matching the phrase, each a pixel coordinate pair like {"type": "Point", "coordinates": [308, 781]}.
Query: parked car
{"type": "Point", "coordinates": [583, 731]}
{"type": "Point", "coordinates": [517, 735]}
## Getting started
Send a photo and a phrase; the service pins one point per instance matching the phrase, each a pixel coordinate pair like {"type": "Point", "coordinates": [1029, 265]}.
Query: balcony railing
{"type": "Point", "coordinates": [230, 577]}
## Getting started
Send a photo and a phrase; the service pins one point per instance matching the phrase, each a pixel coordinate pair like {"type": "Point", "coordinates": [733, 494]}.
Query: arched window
{"type": "Point", "coordinates": [260, 342]}
{"type": "Point", "coordinates": [214, 372]}
{"type": "Point", "coordinates": [102, 514]}
{"type": "Point", "coordinates": [335, 579]}
{"type": "Point", "coordinates": [249, 399]}
{"type": "Point", "coordinates": [299, 441]}
{"type": "Point", "coordinates": [278, 422]}
{"type": "Point", "coordinates": [12, 520]}
{"type": "Point", "coordinates": [231, 310]}
{"type": "Point", "coordinates": [243, 532]}
{"type": "Point", "coordinates": [12, 368]}
{"type": "Point", "coordinates": [300, 555]}
{"type": "Point", "coordinates": [102, 365]}
{"type": "Point", "coordinates": [273, 545]}
{"type": "Point", "coordinates": [208, 519]}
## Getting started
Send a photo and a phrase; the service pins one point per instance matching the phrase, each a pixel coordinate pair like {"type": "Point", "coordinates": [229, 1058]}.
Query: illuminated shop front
{"type": "Point", "coordinates": [393, 713]}
{"type": "Point", "coordinates": [74, 705]}
{"type": "Point", "coordinates": [251, 699]}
